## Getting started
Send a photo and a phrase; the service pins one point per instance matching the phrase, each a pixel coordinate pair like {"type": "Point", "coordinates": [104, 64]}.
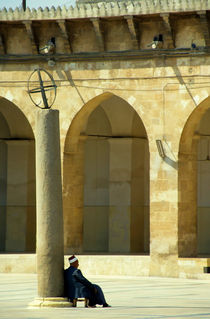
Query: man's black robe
{"type": "Point", "coordinates": [77, 286]}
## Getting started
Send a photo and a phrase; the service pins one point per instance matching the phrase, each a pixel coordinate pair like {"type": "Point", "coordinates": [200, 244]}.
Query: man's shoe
{"type": "Point", "coordinates": [106, 305]}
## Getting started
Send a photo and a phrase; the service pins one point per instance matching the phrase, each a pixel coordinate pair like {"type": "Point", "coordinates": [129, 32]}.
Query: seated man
{"type": "Point", "coordinates": [77, 286]}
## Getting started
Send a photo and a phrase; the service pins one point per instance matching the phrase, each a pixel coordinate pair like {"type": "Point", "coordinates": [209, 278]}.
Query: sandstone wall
{"type": "Point", "coordinates": [168, 91]}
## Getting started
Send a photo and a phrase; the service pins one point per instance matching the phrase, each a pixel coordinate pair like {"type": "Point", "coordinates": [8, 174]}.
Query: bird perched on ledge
{"type": "Point", "coordinates": [49, 48]}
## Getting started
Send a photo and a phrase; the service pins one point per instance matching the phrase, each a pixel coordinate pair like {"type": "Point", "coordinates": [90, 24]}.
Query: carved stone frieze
{"type": "Point", "coordinates": [92, 9]}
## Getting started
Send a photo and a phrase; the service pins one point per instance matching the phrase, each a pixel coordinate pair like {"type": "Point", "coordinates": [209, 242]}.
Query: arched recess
{"type": "Point", "coordinates": [194, 184]}
{"type": "Point", "coordinates": [106, 179]}
{"type": "Point", "coordinates": [17, 181]}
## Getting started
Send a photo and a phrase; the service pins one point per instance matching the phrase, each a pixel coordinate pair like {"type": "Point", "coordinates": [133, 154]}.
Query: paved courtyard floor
{"type": "Point", "coordinates": [130, 297]}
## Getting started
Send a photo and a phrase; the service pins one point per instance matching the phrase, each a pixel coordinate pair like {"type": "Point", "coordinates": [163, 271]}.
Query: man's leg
{"type": "Point", "coordinates": [100, 299]}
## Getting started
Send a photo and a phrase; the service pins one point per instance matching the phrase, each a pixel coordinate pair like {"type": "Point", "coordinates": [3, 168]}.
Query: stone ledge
{"type": "Point", "coordinates": [90, 264]}
{"type": "Point", "coordinates": [103, 56]}
{"type": "Point", "coordinates": [107, 265]}
{"type": "Point", "coordinates": [105, 9]}
{"type": "Point", "coordinates": [52, 302]}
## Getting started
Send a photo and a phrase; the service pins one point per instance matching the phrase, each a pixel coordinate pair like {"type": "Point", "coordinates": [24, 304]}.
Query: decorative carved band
{"type": "Point", "coordinates": [106, 9]}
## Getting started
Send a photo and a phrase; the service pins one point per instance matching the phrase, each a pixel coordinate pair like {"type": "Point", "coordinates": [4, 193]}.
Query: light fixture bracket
{"type": "Point", "coordinates": [160, 148]}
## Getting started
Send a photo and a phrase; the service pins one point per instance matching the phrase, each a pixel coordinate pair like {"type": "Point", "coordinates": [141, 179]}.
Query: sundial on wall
{"type": "Point", "coordinates": [42, 88]}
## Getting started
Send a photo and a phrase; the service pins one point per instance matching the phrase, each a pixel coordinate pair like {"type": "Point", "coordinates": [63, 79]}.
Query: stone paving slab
{"type": "Point", "coordinates": [130, 297]}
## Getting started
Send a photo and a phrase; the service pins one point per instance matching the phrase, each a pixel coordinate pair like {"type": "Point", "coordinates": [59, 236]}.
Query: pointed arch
{"type": "Point", "coordinates": [106, 162]}
{"type": "Point", "coordinates": [188, 228]}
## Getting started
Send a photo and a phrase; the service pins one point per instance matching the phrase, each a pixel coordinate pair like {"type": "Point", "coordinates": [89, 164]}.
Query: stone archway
{"type": "Point", "coordinates": [193, 238]}
{"type": "Point", "coordinates": [17, 181]}
{"type": "Point", "coordinates": [106, 180]}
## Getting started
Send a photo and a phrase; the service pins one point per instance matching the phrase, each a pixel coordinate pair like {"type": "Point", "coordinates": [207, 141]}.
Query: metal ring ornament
{"type": "Point", "coordinates": [42, 89]}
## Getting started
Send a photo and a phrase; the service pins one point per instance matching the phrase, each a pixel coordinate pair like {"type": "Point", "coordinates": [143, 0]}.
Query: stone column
{"type": "Point", "coordinates": [163, 215]}
{"type": "Point", "coordinates": [18, 198]}
{"type": "Point", "coordinates": [187, 222]}
{"type": "Point", "coordinates": [3, 194]}
{"type": "Point", "coordinates": [73, 193]}
{"type": "Point", "coordinates": [128, 195]}
{"type": "Point", "coordinates": [120, 194]}
{"type": "Point", "coordinates": [50, 255]}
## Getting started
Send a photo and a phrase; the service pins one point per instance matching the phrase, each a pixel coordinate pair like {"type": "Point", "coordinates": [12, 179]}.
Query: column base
{"type": "Point", "coordinates": [57, 302]}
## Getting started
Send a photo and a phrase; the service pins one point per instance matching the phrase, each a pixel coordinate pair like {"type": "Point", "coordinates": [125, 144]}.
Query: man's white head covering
{"type": "Point", "coordinates": [72, 259]}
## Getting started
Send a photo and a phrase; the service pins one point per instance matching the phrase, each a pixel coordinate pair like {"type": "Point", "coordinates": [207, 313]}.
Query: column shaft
{"type": "Point", "coordinates": [49, 205]}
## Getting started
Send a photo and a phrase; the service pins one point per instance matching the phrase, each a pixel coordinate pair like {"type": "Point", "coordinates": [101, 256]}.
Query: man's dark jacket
{"type": "Point", "coordinates": [76, 285]}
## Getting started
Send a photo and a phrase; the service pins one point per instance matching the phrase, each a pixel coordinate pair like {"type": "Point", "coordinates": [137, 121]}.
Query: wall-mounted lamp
{"type": "Point", "coordinates": [160, 148]}
{"type": "Point", "coordinates": [157, 42]}
{"type": "Point", "coordinates": [193, 45]}
{"type": "Point", "coordinates": [51, 63]}
{"type": "Point", "coordinates": [49, 48]}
